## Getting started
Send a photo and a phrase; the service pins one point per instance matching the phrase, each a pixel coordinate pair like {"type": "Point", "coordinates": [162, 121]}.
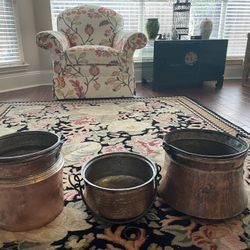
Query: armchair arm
{"type": "Point", "coordinates": [128, 42]}
{"type": "Point", "coordinates": [55, 41]}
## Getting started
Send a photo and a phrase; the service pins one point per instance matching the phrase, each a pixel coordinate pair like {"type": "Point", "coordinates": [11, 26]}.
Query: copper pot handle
{"type": "Point", "coordinates": [80, 187]}
{"type": "Point", "coordinates": [242, 136]}
{"type": "Point", "coordinates": [158, 176]}
{"type": "Point", "coordinates": [168, 148]}
{"type": "Point", "coordinates": [157, 182]}
{"type": "Point", "coordinates": [77, 186]}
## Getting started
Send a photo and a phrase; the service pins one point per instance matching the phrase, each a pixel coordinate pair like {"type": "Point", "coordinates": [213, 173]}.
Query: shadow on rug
{"type": "Point", "coordinates": [137, 125]}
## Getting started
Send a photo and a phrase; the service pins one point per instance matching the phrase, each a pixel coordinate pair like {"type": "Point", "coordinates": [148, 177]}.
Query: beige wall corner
{"type": "Point", "coordinates": [42, 13]}
{"type": "Point", "coordinates": [26, 23]}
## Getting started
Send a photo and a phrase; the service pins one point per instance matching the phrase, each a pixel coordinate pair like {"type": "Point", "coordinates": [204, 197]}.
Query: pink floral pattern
{"type": "Point", "coordinates": [93, 127]}
{"type": "Point", "coordinates": [220, 236]}
{"type": "Point", "coordinates": [90, 37]}
{"type": "Point", "coordinates": [78, 88]}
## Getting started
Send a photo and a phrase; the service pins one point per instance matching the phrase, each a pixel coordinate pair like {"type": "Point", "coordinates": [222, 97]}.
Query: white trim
{"type": "Point", "coordinates": [233, 71]}
{"type": "Point", "coordinates": [12, 68]}
{"type": "Point", "coordinates": [16, 81]}
{"type": "Point", "coordinates": [25, 87]}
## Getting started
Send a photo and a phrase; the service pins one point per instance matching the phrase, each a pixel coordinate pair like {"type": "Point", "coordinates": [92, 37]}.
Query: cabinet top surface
{"type": "Point", "coordinates": [190, 41]}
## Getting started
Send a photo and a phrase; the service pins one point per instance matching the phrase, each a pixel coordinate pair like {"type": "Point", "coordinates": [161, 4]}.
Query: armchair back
{"type": "Point", "coordinates": [89, 25]}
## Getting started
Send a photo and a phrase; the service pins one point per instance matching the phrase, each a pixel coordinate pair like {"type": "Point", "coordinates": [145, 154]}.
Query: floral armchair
{"type": "Point", "coordinates": [92, 57]}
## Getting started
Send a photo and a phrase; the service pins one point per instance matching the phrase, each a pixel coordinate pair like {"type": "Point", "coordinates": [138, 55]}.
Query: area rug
{"type": "Point", "coordinates": [138, 125]}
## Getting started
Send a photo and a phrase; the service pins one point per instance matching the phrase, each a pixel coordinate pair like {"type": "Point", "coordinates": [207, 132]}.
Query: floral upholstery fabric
{"type": "Point", "coordinates": [92, 56]}
{"type": "Point", "coordinates": [89, 25]}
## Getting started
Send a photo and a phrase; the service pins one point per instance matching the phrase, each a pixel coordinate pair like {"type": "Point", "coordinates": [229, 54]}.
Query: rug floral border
{"type": "Point", "coordinates": [215, 120]}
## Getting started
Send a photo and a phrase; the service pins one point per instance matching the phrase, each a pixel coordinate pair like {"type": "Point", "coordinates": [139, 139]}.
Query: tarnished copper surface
{"type": "Point", "coordinates": [131, 192]}
{"type": "Point", "coordinates": [27, 153]}
{"type": "Point", "coordinates": [203, 173]}
{"type": "Point", "coordinates": [32, 202]}
{"type": "Point", "coordinates": [119, 205]}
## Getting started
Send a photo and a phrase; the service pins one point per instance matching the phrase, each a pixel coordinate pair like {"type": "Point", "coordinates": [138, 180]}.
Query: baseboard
{"type": "Point", "coordinates": [138, 70]}
{"type": "Point", "coordinates": [233, 71]}
{"type": "Point", "coordinates": [22, 80]}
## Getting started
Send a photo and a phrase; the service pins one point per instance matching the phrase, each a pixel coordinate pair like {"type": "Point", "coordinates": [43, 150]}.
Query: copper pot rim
{"type": "Point", "coordinates": [126, 154]}
{"type": "Point", "coordinates": [171, 148]}
{"type": "Point", "coordinates": [32, 179]}
{"type": "Point", "coordinates": [34, 155]}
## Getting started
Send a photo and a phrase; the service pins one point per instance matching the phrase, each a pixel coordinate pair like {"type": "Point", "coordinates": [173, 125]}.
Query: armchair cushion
{"type": "Point", "coordinates": [89, 25]}
{"type": "Point", "coordinates": [90, 54]}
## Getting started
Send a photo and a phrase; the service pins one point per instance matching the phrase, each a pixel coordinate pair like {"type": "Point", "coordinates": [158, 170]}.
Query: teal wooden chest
{"type": "Point", "coordinates": [187, 63]}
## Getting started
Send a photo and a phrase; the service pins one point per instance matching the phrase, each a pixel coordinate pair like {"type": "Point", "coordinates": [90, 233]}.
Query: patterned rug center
{"type": "Point", "coordinates": [134, 125]}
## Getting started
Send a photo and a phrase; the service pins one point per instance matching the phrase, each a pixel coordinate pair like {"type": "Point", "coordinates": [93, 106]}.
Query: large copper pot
{"type": "Point", "coordinates": [31, 191]}
{"type": "Point", "coordinates": [27, 153]}
{"type": "Point", "coordinates": [119, 187]}
{"type": "Point", "coordinates": [204, 173]}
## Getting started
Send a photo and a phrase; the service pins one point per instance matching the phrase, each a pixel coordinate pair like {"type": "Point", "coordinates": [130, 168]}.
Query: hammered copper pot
{"type": "Point", "coordinates": [31, 191]}
{"type": "Point", "coordinates": [204, 173]}
{"type": "Point", "coordinates": [119, 187]}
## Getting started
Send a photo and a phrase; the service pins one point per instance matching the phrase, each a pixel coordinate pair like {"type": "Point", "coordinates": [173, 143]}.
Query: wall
{"type": "Point", "coordinates": [43, 22]}
{"type": "Point", "coordinates": [34, 16]}
{"type": "Point", "coordinates": [28, 31]}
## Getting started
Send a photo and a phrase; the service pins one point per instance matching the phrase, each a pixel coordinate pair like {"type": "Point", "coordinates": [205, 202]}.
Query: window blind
{"type": "Point", "coordinates": [134, 12]}
{"type": "Point", "coordinates": [236, 26]}
{"type": "Point", "coordinates": [129, 9]}
{"type": "Point", "coordinates": [10, 52]}
{"type": "Point", "coordinates": [200, 10]}
{"type": "Point", "coordinates": [231, 18]}
{"type": "Point", "coordinates": [163, 10]}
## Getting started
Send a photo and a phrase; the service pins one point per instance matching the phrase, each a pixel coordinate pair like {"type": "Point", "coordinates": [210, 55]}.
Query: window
{"type": "Point", "coordinates": [134, 12]}
{"type": "Point", "coordinates": [236, 26]}
{"type": "Point", "coordinates": [199, 11]}
{"type": "Point", "coordinates": [10, 46]}
{"type": "Point", "coordinates": [231, 18]}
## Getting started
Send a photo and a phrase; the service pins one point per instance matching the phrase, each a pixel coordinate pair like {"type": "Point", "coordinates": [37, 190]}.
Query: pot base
{"type": "Point", "coordinates": [115, 221]}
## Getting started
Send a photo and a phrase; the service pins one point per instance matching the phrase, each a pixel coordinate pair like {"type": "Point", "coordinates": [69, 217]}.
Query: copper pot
{"type": "Point", "coordinates": [118, 187]}
{"type": "Point", "coordinates": [27, 153]}
{"type": "Point", "coordinates": [33, 196]}
{"type": "Point", "coordinates": [204, 173]}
